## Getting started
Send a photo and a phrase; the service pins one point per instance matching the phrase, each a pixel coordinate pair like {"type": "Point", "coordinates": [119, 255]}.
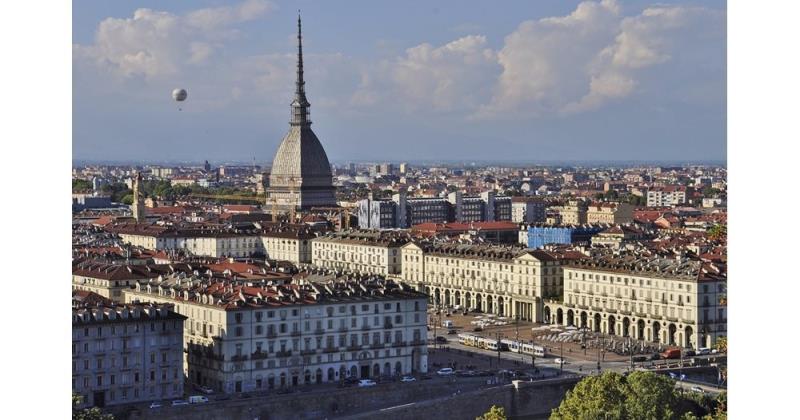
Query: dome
{"type": "Point", "coordinates": [300, 156]}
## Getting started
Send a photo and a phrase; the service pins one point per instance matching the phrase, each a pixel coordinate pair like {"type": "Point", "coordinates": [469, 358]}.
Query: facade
{"type": "Point", "coordinates": [108, 280]}
{"type": "Point", "coordinates": [243, 338]}
{"type": "Point", "coordinates": [666, 196]}
{"type": "Point", "coordinates": [672, 301]}
{"type": "Point", "coordinates": [506, 281]}
{"type": "Point", "coordinates": [574, 213]}
{"type": "Point", "coordinates": [496, 232]}
{"type": "Point", "coordinates": [537, 236]}
{"type": "Point", "coordinates": [287, 242]}
{"type": "Point", "coordinates": [527, 210]}
{"type": "Point", "coordinates": [124, 354]}
{"type": "Point", "coordinates": [403, 212]}
{"type": "Point", "coordinates": [609, 213]}
{"type": "Point", "coordinates": [301, 176]}
{"type": "Point", "coordinates": [361, 251]}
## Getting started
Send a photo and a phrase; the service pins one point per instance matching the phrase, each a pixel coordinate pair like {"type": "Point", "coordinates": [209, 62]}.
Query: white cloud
{"type": "Point", "coordinates": [153, 44]}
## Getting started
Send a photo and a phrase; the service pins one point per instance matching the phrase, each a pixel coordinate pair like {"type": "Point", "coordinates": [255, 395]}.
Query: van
{"type": "Point", "coordinates": [671, 354]}
{"type": "Point", "coordinates": [447, 323]}
{"type": "Point", "coordinates": [196, 399]}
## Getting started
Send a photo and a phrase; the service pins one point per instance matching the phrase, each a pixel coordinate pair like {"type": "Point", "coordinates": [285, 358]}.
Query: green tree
{"type": "Point", "coordinates": [81, 185]}
{"type": "Point", "coordinates": [93, 413]}
{"type": "Point", "coordinates": [494, 413]}
{"type": "Point", "coordinates": [722, 344]}
{"type": "Point", "coordinates": [640, 395]}
{"type": "Point", "coordinates": [652, 396]}
{"type": "Point", "coordinates": [595, 397]}
{"type": "Point", "coordinates": [718, 231]}
{"type": "Point", "coordinates": [127, 199]}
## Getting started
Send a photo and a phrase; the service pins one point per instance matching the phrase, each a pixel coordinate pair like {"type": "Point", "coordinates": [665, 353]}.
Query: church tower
{"type": "Point", "coordinates": [301, 173]}
{"type": "Point", "coordinates": [137, 207]}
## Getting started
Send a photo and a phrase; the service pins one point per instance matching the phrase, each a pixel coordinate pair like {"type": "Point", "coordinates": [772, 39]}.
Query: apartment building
{"type": "Point", "coordinates": [243, 337]}
{"type": "Point", "coordinates": [507, 281]}
{"type": "Point", "coordinates": [674, 301]}
{"type": "Point", "coordinates": [362, 251]}
{"type": "Point", "coordinates": [124, 354]}
{"type": "Point", "coordinates": [276, 241]}
{"type": "Point", "coordinates": [609, 213]}
{"type": "Point", "coordinates": [108, 280]}
{"type": "Point", "coordinates": [574, 212]}
{"type": "Point", "coordinates": [667, 196]}
{"type": "Point", "coordinates": [527, 210]}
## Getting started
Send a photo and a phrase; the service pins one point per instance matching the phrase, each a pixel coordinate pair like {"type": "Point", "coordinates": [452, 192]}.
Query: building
{"type": "Point", "coordinates": [537, 236]}
{"type": "Point", "coordinates": [673, 301]}
{"type": "Point", "coordinates": [126, 353]}
{"type": "Point", "coordinates": [403, 212]}
{"type": "Point", "coordinates": [502, 280]}
{"type": "Point", "coordinates": [90, 201]}
{"type": "Point", "coordinates": [497, 232]}
{"type": "Point", "coordinates": [609, 213]}
{"type": "Point", "coordinates": [137, 208]}
{"type": "Point", "coordinates": [527, 210]}
{"type": "Point", "coordinates": [301, 176]}
{"type": "Point", "coordinates": [574, 212]}
{"type": "Point", "coordinates": [360, 251]}
{"type": "Point", "coordinates": [241, 337]}
{"type": "Point", "coordinates": [108, 280]}
{"type": "Point", "coordinates": [672, 195]}
{"type": "Point", "coordinates": [277, 241]}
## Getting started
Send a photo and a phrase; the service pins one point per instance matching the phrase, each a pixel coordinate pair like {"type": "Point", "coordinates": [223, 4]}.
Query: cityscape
{"type": "Point", "coordinates": [280, 283]}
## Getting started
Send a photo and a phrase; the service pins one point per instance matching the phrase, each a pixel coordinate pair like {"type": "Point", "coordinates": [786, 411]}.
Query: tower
{"type": "Point", "coordinates": [137, 207]}
{"type": "Point", "coordinates": [301, 176]}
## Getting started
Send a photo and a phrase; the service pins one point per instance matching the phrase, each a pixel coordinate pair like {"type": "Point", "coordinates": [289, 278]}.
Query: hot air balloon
{"type": "Point", "coordinates": [179, 95]}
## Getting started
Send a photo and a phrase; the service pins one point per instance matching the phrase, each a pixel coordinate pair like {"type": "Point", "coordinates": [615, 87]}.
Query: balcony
{"type": "Point", "coordinates": [353, 347]}
{"type": "Point", "coordinates": [399, 344]}
{"type": "Point", "coordinates": [376, 346]}
{"type": "Point", "coordinates": [640, 314]}
{"type": "Point", "coordinates": [330, 350]}
{"type": "Point", "coordinates": [688, 321]}
{"type": "Point", "coordinates": [583, 307]}
{"type": "Point", "coordinates": [672, 319]}
{"type": "Point", "coordinates": [238, 357]}
{"type": "Point", "coordinates": [319, 331]}
{"type": "Point", "coordinates": [624, 312]}
{"type": "Point", "coordinates": [417, 343]}
{"type": "Point", "coordinates": [388, 326]}
{"type": "Point", "coordinates": [295, 333]}
{"type": "Point", "coordinates": [285, 353]}
{"type": "Point", "coordinates": [307, 352]}
{"type": "Point", "coordinates": [272, 334]}
{"type": "Point", "coordinates": [343, 329]}
{"type": "Point", "coordinates": [258, 355]}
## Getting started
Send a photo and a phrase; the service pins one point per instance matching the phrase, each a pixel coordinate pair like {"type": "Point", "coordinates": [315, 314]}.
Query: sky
{"type": "Point", "coordinates": [518, 80]}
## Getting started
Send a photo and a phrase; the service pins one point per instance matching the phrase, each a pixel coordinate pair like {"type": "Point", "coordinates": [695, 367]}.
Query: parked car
{"type": "Point", "coordinates": [477, 329]}
{"type": "Point", "coordinates": [655, 356]}
{"type": "Point", "coordinates": [408, 379]}
{"type": "Point", "coordinates": [179, 402]}
{"type": "Point", "coordinates": [639, 358]}
{"type": "Point", "coordinates": [559, 361]}
{"type": "Point", "coordinates": [204, 389]}
{"type": "Point", "coordinates": [155, 404]}
{"type": "Point", "coordinates": [672, 353]}
{"type": "Point", "coordinates": [451, 332]}
{"type": "Point", "coordinates": [445, 372]}
{"type": "Point", "coordinates": [688, 353]}
{"type": "Point", "coordinates": [366, 382]}
{"type": "Point", "coordinates": [441, 339]}
{"type": "Point", "coordinates": [697, 389]}
{"type": "Point", "coordinates": [197, 399]}
{"type": "Point", "coordinates": [703, 351]}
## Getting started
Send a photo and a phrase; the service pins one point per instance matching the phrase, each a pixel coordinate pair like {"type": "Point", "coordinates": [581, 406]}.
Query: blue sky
{"type": "Point", "coordinates": [416, 80]}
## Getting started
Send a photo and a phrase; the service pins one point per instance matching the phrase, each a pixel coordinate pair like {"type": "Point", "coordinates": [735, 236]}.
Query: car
{"type": "Point", "coordinates": [366, 382]}
{"type": "Point", "coordinates": [204, 389]}
{"type": "Point", "coordinates": [477, 329]}
{"type": "Point", "coordinates": [441, 339]}
{"type": "Point", "coordinates": [197, 399]}
{"type": "Point", "coordinates": [155, 404]}
{"type": "Point", "coordinates": [180, 402]}
{"type": "Point", "coordinates": [655, 356]}
{"type": "Point", "coordinates": [639, 358]}
{"type": "Point", "coordinates": [445, 372]}
{"type": "Point", "coordinates": [559, 361]}
{"type": "Point", "coordinates": [697, 389]}
{"type": "Point", "coordinates": [703, 351]}
{"type": "Point", "coordinates": [451, 332]}
{"type": "Point", "coordinates": [688, 353]}
{"type": "Point", "coordinates": [408, 379]}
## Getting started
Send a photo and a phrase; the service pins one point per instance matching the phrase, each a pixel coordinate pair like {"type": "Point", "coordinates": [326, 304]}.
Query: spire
{"type": "Point", "coordinates": [300, 104]}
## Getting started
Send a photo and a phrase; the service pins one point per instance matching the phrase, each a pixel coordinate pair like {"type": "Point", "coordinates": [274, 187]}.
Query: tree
{"type": "Point", "coordinates": [93, 413]}
{"type": "Point", "coordinates": [718, 231]}
{"type": "Point", "coordinates": [494, 413]}
{"type": "Point", "coordinates": [81, 185]}
{"type": "Point", "coordinates": [640, 395]}
{"type": "Point", "coordinates": [722, 344]}
{"type": "Point", "coordinates": [594, 397]}
{"type": "Point", "coordinates": [127, 199]}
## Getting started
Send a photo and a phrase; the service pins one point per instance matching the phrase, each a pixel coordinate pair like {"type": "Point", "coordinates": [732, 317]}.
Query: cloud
{"type": "Point", "coordinates": [154, 44]}
{"type": "Point", "coordinates": [450, 77]}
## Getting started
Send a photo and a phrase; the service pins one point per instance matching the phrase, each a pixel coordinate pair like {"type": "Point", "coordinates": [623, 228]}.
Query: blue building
{"type": "Point", "coordinates": [539, 236]}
